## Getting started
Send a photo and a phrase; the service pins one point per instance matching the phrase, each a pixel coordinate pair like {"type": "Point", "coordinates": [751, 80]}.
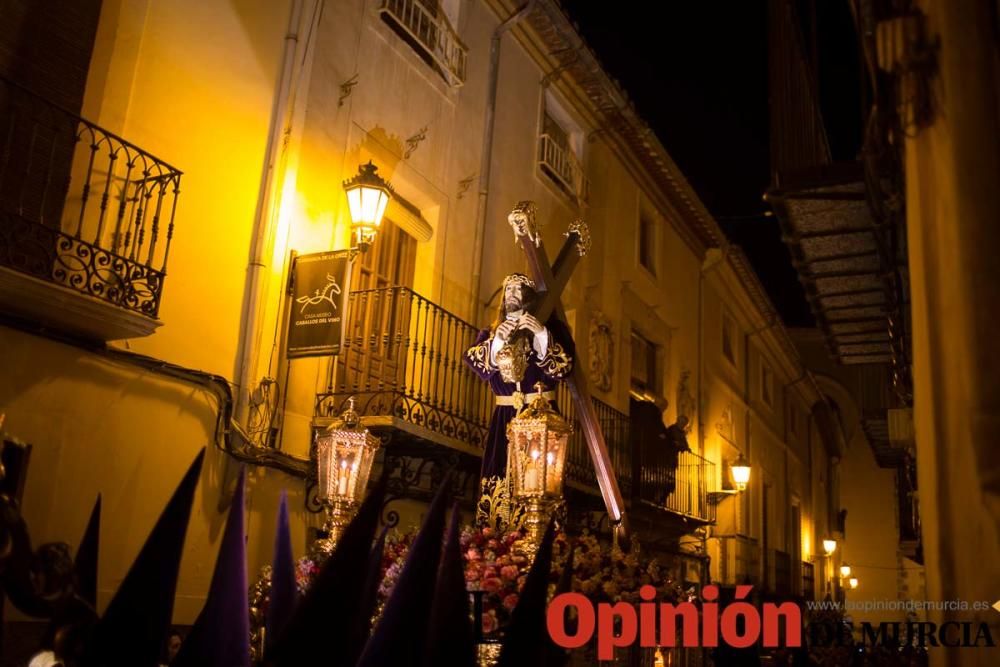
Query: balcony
{"type": "Point", "coordinates": [682, 489]}
{"type": "Point", "coordinates": [563, 167]}
{"type": "Point", "coordinates": [86, 221]}
{"type": "Point", "coordinates": [402, 362]}
{"type": "Point", "coordinates": [426, 29]}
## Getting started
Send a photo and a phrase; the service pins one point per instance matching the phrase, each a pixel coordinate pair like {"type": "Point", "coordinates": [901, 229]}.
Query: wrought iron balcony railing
{"type": "Point", "coordinates": [428, 30]}
{"type": "Point", "coordinates": [402, 357]}
{"type": "Point", "coordinates": [616, 429]}
{"type": "Point", "coordinates": [682, 488]}
{"type": "Point", "coordinates": [81, 207]}
{"type": "Point", "coordinates": [563, 167]}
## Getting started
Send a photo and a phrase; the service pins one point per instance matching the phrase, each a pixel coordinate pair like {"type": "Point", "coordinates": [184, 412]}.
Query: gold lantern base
{"type": "Point", "coordinates": [538, 510]}
{"type": "Point", "coordinates": [339, 513]}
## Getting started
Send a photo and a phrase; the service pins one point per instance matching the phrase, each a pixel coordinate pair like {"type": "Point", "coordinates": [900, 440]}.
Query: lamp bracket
{"type": "Point", "coordinates": [715, 497]}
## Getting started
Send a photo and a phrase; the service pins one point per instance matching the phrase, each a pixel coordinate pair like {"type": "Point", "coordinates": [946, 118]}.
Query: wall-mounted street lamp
{"type": "Point", "coordinates": [845, 571]}
{"type": "Point", "coordinates": [367, 197]}
{"type": "Point", "coordinates": [852, 582]}
{"type": "Point", "coordinates": [740, 469]}
{"type": "Point", "coordinates": [741, 473]}
{"type": "Point", "coordinates": [829, 546]}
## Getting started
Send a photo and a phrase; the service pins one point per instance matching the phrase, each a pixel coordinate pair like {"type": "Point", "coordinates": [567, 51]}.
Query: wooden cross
{"type": "Point", "coordinates": [550, 279]}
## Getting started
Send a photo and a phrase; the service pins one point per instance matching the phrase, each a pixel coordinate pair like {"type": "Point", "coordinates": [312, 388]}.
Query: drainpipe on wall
{"type": "Point", "coordinates": [265, 222]}
{"type": "Point", "coordinates": [486, 159]}
{"type": "Point", "coordinates": [710, 263]}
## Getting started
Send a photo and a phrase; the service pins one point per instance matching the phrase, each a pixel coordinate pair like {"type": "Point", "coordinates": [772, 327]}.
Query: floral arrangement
{"type": "Point", "coordinates": [494, 566]}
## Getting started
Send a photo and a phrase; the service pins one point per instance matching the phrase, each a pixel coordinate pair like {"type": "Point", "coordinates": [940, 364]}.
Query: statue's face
{"type": "Point", "coordinates": [513, 297]}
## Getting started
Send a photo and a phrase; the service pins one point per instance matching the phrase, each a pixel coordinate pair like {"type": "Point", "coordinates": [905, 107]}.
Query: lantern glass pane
{"type": "Point", "coordinates": [383, 201]}
{"type": "Point", "coordinates": [538, 457]}
{"type": "Point", "coordinates": [344, 461]}
{"type": "Point", "coordinates": [354, 203]}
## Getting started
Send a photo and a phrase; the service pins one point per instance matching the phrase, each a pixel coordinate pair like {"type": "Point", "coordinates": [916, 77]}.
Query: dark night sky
{"type": "Point", "coordinates": [697, 73]}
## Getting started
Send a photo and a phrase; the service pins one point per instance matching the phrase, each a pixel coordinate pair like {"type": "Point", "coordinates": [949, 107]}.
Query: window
{"type": "Point", "coordinates": [643, 365]}
{"type": "Point", "coordinates": [560, 150]}
{"type": "Point", "coordinates": [728, 338]}
{"type": "Point", "coordinates": [766, 383]}
{"type": "Point", "coordinates": [647, 243]}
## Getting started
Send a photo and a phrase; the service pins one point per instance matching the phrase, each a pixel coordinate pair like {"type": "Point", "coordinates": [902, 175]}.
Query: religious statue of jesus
{"type": "Point", "coordinates": [515, 354]}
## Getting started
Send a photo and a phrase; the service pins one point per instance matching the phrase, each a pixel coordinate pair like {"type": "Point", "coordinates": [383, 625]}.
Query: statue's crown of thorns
{"type": "Point", "coordinates": [518, 279]}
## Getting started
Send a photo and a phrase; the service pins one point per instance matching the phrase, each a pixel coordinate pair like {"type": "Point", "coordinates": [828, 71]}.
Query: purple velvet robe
{"type": "Point", "coordinates": [556, 365]}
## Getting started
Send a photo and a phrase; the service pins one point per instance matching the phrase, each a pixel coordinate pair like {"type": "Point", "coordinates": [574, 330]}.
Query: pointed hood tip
{"type": "Point", "coordinates": [221, 633]}
{"type": "Point", "coordinates": [137, 619]}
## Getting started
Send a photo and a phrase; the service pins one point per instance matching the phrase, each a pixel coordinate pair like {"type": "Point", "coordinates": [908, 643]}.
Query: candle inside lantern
{"type": "Point", "coordinates": [342, 476]}
{"type": "Point", "coordinates": [531, 468]}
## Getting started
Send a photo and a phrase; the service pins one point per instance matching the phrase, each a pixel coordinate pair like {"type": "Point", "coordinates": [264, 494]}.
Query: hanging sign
{"type": "Point", "coordinates": [318, 304]}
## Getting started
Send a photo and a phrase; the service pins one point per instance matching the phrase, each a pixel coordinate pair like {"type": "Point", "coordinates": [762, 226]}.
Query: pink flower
{"type": "Point", "coordinates": [473, 554]}
{"type": "Point", "coordinates": [489, 572]}
{"type": "Point", "coordinates": [487, 532]}
{"type": "Point", "coordinates": [492, 584]}
{"type": "Point", "coordinates": [509, 572]}
{"type": "Point", "coordinates": [493, 544]}
{"type": "Point", "coordinates": [510, 601]}
{"type": "Point", "coordinates": [489, 622]}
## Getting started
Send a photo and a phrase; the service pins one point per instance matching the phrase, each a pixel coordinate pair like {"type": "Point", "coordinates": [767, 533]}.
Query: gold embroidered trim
{"type": "Point", "coordinates": [556, 363]}
{"type": "Point", "coordinates": [479, 355]}
{"type": "Point", "coordinates": [497, 508]}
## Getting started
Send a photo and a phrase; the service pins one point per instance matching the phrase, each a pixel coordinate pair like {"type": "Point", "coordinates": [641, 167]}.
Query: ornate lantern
{"type": "Point", "coordinates": [538, 438]}
{"type": "Point", "coordinates": [829, 546]}
{"type": "Point", "coordinates": [367, 196]}
{"type": "Point", "coordinates": [344, 455]}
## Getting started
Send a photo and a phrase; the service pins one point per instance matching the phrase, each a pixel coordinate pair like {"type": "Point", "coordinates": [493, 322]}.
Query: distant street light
{"type": "Point", "coordinates": [829, 546]}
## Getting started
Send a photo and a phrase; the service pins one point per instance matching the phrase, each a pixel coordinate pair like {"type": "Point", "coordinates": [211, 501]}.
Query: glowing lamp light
{"type": "Point", "coordinates": [829, 546]}
{"type": "Point", "coordinates": [345, 452]}
{"type": "Point", "coordinates": [367, 196]}
{"type": "Point", "coordinates": [741, 473]}
{"type": "Point", "coordinates": [852, 582]}
{"type": "Point", "coordinates": [539, 438]}
{"type": "Point", "coordinates": [845, 570]}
